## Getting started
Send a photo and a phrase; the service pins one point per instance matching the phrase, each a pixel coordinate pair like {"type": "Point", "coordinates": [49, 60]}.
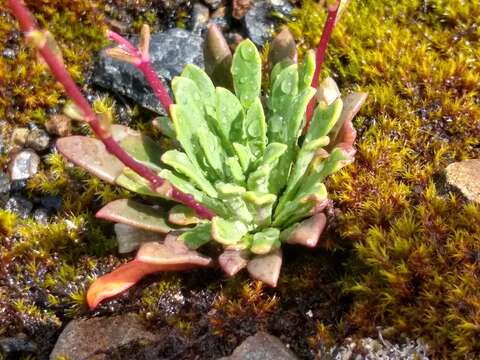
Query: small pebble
{"type": "Point", "coordinates": [24, 165]}
{"type": "Point", "coordinates": [19, 137]}
{"type": "Point", "coordinates": [38, 140]}
{"type": "Point", "coordinates": [4, 183]}
{"type": "Point", "coordinates": [59, 125]}
{"type": "Point", "coordinates": [41, 215]}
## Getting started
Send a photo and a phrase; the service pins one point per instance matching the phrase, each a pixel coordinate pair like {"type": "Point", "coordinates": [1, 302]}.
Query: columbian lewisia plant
{"type": "Point", "coordinates": [249, 168]}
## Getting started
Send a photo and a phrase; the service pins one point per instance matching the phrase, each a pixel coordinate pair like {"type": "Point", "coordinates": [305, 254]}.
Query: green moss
{"type": "Point", "coordinates": [416, 267]}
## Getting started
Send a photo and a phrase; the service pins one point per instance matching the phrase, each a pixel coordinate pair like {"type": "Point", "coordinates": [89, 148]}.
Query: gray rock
{"type": "Point", "coordinates": [19, 137]}
{"type": "Point", "coordinates": [38, 140]}
{"type": "Point", "coordinates": [464, 176]}
{"type": "Point", "coordinates": [40, 215]}
{"type": "Point", "coordinates": [261, 346]}
{"type": "Point", "coordinates": [199, 18]}
{"type": "Point", "coordinates": [24, 165]}
{"type": "Point", "coordinates": [170, 51]}
{"type": "Point", "coordinates": [372, 349]}
{"type": "Point", "coordinates": [20, 206]}
{"type": "Point", "coordinates": [15, 345]}
{"type": "Point", "coordinates": [4, 183]}
{"type": "Point", "coordinates": [51, 202]}
{"type": "Point", "coordinates": [259, 23]}
{"type": "Point", "coordinates": [94, 338]}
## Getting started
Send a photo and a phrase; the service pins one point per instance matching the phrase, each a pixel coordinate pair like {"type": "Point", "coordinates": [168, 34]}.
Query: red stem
{"type": "Point", "coordinates": [28, 25]}
{"type": "Point", "coordinates": [145, 66]}
{"type": "Point", "coordinates": [320, 56]}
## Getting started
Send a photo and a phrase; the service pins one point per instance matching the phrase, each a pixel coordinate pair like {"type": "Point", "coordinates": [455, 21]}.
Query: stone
{"type": "Point", "coordinates": [259, 23]}
{"type": "Point", "coordinates": [368, 348]}
{"type": "Point", "coordinates": [464, 176]}
{"type": "Point", "coordinates": [24, 165]}
{"type": "Point", "coordinates": [240, 8]}
{"type": "Point", "coordinates": [94, 338]}
{"type": "Point", "coordinates": [40, 215]}
{"type": "Point", "coordinates": [38, 140]}
{"type": "Point", "coordinates": [221, 18]}
{"type": "Point", "coordinates": [20, 206]}
{"type": "Point", "coordinates": [4, 183]}
{"type": "Point", "coordinates": [199, 18]}
{"type": "Point", "coordinates": [170, 51]}
{"type": "Point", "coordinates": [19, 137]}
{"type": "Point", "coordinates": [261, 346]}
{"type": "Point", "coordinates": [16, 345]}
{"type": "Point", "coordinates": [59, 125]}
{"type": "Point", "coordinates": [51, 202]}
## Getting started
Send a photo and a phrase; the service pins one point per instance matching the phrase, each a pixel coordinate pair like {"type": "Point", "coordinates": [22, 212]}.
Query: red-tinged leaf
{"type": "Point", "coordinates": [232, 261]}
{"type": "Point", "coordinates": [351, 106]}
{"type": "Point", "coordinates": [91, 154]}
{"type": "Point", "coordinates": [266, 268]}
{"type": "Point", "coordinates": [308, 232]}
{"type": "Point", "coordinates": [151, 258]}
{"type": "Point", "coordinates": [282, 47]}
{"type": "Point", "coordinates": [135, 214]}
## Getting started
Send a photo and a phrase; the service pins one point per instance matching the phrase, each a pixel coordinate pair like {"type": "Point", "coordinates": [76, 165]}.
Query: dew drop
{"type": "Point", "coordinates": [247, 53]}
{"type": "Point", "coordinates": [286, 86]}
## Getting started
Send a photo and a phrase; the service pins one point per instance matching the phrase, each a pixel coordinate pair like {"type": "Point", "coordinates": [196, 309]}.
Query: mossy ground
{"type": "Point", "coordinates": [415, 265]}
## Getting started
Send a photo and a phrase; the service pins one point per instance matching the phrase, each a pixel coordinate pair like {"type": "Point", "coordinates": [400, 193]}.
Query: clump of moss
{"type": "Point", "coordinates": [417, 265]}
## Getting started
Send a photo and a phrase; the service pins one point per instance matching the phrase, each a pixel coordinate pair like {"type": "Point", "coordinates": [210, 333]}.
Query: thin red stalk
{"type": "Point", "coordinates": [61, 74]}
{"type": "Point", "coordinates": [145, 66]}
{"type": "Point", "coordinates": [320, 56]}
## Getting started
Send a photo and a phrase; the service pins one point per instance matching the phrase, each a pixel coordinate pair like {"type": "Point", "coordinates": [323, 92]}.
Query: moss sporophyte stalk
{"type": "Point", "coordinates": [249, 169]}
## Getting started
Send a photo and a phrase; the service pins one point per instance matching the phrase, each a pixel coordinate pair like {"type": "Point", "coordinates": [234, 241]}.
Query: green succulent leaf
{"type": "Point", "coordinates": [228, 232]}
{"type": "Point", "coordinates": [324, 119]}
{"type": "Point", "coordinates": [260, 179]}
{"type": "Point", "coordinates": [247, 73]}
{"type": "Point", "coordinates": [256, 129]}
{"type": "Point", "coordinates": [182, 164]}
{"type": "Point", "coordinates": [306, 71]}
{"type": "Point", "coordinates": [265, 240]}
{"type": "Point", "coordinates": [200, 235]}
{"type": "Point", "coordinates": [183, 216]}
{"type": "Point", "coordinates": [229, 119]}
{"type": "Point", "coordinates": [165, 126]}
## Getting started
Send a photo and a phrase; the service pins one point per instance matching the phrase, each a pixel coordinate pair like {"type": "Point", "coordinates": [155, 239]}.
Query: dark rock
{"type": "Point", "coordinates": [261, 346]}
{"type": "Point", "coordinates": [40, 215]}
{"type": "Point", "coordinates": [20, 206]}
{"type": "Point", "coordinates": [38, 140]}
{"type": "Point", "coordinates": [59, 125]}
{"type": "Point", "coordinates": [170, 51]}
{"type": "Point", "coordinates": [464, 176]}
{"type": "Point", "coordinates": [51, 202]}
{"type": "Point", "coordinates": [18, 185]}
{"type": "Point", "coordinates": [18, 344]}
{"type": "Point", "coordinates": [199, 18]}
{"type": "Point", "coordinates": [259, 23]}
{"type": "Point", "coordinates": [94, 338]}
{"type": "Point", "coordinates": [24, 165]}
{"type": "Point", "coordinates": [4, 183]}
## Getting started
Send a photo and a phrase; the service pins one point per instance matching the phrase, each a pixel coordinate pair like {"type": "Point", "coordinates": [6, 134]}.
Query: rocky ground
{"type": "Point", "coordinates": [342, 301]}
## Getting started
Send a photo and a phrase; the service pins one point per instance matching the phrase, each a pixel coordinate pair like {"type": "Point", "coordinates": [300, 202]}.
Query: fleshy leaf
{"type": "Point", "coordinates": [261, 206]}
{"type": "Point", "coordinates": [259, 179]}
{"type": "Point", "coordinates": [324, 119]}
{"type": "Point", "coordinates": [140, 147]}
{"type": "Point", "coordinates": [227, 232]}
{"type": "Point", "coordinates": [198, 236]}
{"type": "Point", "coordinates": [232, 261]}
{"type": "Point", "coordinates": [266, 268]}
{"type": "Point", "coordinates": [247, 73]}
{"type": "Point", "coordinates": [306, 71]}
{"type": "Point", "coordinates": [135, 214]}
{"type": "Point", "coordinates": [229, 119]}
{"type": "Point", "coordinates": [183, 216]}
{"type": "Point", "coordinates": [151, 258]}
{"type": "Point", "coordinates": [91, 154]}
{"type": "Point", "coordinates": [244, 156]}
{"type": "Point", "coordinates": [232, 196]}
{"type": "Point", "coordinates": [130, 238]}
{"type": "Point", "coordinates": [182, 164]}
{"type": "Point", "coordinates": [282, 47]}
{"type": "Point", "coordinates": [256, 129]}
{"type": "Point", "coordinates": [218, 57]}
{"type": "Point", "coordinates": [265, 240]}
{"type": "Point", "coordinates": [306, 233]}
{"type": "Point", "coordinates": [204, 84]}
